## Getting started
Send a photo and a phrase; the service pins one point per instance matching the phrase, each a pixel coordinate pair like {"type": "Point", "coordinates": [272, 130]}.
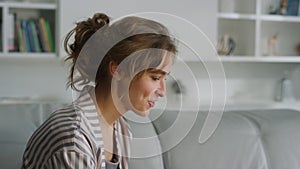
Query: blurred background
{"type": "Point", "coordinates": [256, 41]}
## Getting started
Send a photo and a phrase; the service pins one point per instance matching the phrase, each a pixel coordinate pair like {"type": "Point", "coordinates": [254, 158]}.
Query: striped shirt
{"type": "Point", "coordinates": [71, 138]}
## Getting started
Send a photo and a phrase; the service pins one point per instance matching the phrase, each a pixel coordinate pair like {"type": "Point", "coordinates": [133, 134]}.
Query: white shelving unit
{"type": "Point", "coordinates": [249, 23]}
{"type": "Point", "coordinates": [25, 10]}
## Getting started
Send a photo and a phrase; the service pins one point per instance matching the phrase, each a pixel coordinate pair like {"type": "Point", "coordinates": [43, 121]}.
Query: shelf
{"type": "Point", "coordinates": [280, 18]}
{"type": "Point", "coordinates": [236, 16]}
{"type": "Point", "coordinates": [234, 105]}
{"type": "Point", "coordinates": [261, 104]}
{"type": "Point", "coordinates": [28, 5]}
{"type": "Point", "coordinates": [255, 32]}
{"type": "Point", "coordinates": [23, 18]}
{"type": "Point", "coordinates": [28, 55]}
{"type": "Point", "coordinates": [264, 59]}
{"type": "Point", "coordinates": [270, 59]}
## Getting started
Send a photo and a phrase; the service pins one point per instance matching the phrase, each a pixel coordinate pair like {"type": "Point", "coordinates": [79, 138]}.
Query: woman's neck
{"type": "Point", "coordinates": [108, 110]}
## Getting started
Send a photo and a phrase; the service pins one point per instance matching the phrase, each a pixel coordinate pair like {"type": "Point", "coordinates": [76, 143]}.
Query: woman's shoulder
{"type": "Point", "coordinates": [64, 121]}
{"type": "Point", "coordinates": [71, 112]}
{"type": "Point", "coordinates": [61, 132]}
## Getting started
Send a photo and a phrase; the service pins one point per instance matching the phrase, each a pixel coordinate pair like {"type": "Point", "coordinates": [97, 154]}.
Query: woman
{"type": "Point", "coordinates": [117, 67]}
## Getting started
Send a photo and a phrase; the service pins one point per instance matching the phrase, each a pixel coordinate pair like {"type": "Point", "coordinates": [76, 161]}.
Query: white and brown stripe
{"type": "Point", "coordinates": [71, 138]}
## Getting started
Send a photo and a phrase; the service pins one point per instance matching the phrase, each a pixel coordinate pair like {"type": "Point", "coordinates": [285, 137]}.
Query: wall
{"type": "Point", "coordinates": [42, 79]}
{"type": "Point", "coordinates": [46, 78]}
{"type": "Point", "coordinates": [296, 81]}
{"type": "Point", "coordinates": [247, 84]}
{"type": "Point", "coordinates": [200, 13]}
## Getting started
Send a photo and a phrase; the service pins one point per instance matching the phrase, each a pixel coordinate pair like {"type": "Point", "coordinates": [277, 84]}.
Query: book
{"type": "Point", "coordinates": [1, 44]}
{"type": "Point", "coordinates": [16, 41]}
{"type": "Point", "coordinates": [30, 37]}
{"type": "Point", "coordinates": [26, 35]}
{"type": "Point", "coordinates": [11, 32]}
{"type": "Point", "coordinates": [292, 7]}
{"type": "Point", "coordinates": [49, 35]}
{"type": "Point", "coordinates": [36, 42]}
{"type": "Point", "coordinates": [44, 34]}
{"type": "Point", "coordinates": [299, 9]}
{"type": "Point", "coordinates": [21, 38]}
{"type": "Point", "coordinates": [40, 36]}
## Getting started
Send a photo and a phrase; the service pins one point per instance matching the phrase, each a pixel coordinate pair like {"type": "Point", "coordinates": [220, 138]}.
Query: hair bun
{"type": "Point", "coordinates": [99, 20]}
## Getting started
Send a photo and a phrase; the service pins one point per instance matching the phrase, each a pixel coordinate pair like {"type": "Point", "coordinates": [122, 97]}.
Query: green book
{"type": "Point", "coordinates": [44, 33]}
{"type": "Point", "coordinates": [50, 37]}
{"type": "Point", "coordinates": [21, 38]}
{"type": "Point", "coordinates": [35, 36]}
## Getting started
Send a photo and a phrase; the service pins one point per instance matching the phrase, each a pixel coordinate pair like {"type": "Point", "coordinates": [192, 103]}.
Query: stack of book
{"type": "Point", "coordinates": [293, 7]}
{"type": "Point", "coordinates": [32, 35]}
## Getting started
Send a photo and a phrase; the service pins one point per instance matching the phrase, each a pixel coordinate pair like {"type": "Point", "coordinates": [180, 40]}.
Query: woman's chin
{"type": "Point", "coordinates": [143, 113]}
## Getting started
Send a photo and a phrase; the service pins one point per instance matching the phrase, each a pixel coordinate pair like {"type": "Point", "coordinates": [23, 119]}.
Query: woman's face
{"type": "Point", "coordinates": [145, 90]}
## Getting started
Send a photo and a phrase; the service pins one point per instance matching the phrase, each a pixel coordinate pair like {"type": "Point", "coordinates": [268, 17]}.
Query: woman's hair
{"type": "Point", "coordinates": [137, 34]}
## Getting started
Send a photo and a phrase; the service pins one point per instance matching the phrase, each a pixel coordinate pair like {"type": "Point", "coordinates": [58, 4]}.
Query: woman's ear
{"type": "Point", "coordinates": [113, 70]}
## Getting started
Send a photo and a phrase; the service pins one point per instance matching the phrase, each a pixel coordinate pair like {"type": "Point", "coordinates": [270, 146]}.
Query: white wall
{"type": "Point", "coordinates": [200, 13]}
{"type": "Point", "coordinates": [43, 78]}
{"type": "Point", "coordinates": [46, 78]}
{"type": "Point", "coordinates": [247, 83]}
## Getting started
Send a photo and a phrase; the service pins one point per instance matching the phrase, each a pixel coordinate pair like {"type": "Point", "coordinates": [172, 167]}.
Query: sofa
{"type": "Point", "coordinates": [244, 139]}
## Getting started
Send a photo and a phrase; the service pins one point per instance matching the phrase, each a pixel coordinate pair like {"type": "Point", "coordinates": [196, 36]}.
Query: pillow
{"type": "Point", "coordinates": [17, 123]}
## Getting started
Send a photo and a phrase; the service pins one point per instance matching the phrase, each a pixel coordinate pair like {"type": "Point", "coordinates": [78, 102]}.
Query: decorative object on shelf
{"type": "Point", "coordinates": [227, 6]}
{"type": "Point", "coordinates": [253, 27]}
{"type": "Point", "coordinates": [298, 49]}
{"type": "Point", "coordinates": [273, 10]}
{"type": "Point", "coordinates": [225, 45]}
{"type": "Point", "coordinates": [286, 7]}
{"type": "Point", "coordinates": [285, 92]}
{"type": "Point", "coordinates": [272, 42]}
{"type": "Point", "coordinates": [178, 87]}
{"type": "Point", "coordinates": [292, 7]}
{"type": "Point", "coordinates": [283, 7]}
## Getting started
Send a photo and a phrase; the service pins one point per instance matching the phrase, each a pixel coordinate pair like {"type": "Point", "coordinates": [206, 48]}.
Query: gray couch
{"type": "Point", "coordinates": [254, 139]}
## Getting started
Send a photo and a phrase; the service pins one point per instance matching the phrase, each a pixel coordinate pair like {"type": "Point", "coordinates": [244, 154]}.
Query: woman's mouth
{"type": "Point", "coordinates": [151, 103]}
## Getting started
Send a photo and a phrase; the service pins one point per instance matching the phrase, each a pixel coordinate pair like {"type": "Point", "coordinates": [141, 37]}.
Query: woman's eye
{"type": "Point", "coordinates": [155, 78]}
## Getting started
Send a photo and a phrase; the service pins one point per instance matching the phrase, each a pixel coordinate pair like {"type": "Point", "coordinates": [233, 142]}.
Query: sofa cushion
{"type": "Point", "coordinates": [17, 123]}
{"type": "Point", "coordinates": [258, 139]}
{"type": "Point", "coordinates": [146, 151]}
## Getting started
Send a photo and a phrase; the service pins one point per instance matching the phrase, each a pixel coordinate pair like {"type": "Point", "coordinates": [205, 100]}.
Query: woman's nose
{"type": "Point", "coordinates": [162, 89]}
